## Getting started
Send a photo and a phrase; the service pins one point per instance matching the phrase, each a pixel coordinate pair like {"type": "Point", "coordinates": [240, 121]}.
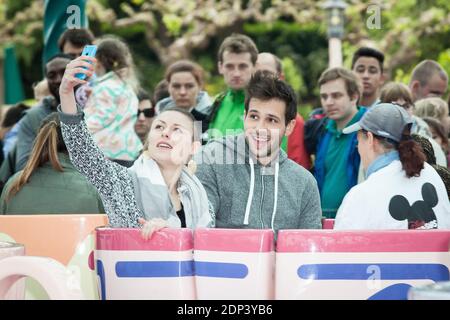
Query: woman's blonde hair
{"type": "Point", "coordinates": [48, 143]}
{"type": "Point", "coordinates": [433, 107]}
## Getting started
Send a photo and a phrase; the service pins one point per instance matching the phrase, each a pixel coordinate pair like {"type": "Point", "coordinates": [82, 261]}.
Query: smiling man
{"type": "Point", "coordinates": [249, 180]}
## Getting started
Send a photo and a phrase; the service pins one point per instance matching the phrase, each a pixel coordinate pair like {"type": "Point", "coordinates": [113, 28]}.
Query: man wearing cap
{"type": "Point", "coordinates": [401, 190]}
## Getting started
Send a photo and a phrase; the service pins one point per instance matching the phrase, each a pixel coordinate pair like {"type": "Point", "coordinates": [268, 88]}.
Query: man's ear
{"type": "Point", "coordinates": [414, 87]}
{"type": "Point", "coordinates": [220, 67]}
{"type": "Point", "coordinates": [383, 77]}
{"type": "Point", "coordinates": [196, 145]}
{"type": "Point", "coordinates": [355, 98]}
{"type": "Point", "coordinates": [290, 127]}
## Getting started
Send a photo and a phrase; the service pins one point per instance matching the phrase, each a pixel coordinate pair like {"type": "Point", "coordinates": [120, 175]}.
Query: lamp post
{"type": "Point", "coordinates": [335, 16]}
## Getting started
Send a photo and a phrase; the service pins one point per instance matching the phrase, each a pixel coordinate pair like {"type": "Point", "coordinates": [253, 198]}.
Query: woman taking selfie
{"type": "Point", "coordinates": [157, 187]}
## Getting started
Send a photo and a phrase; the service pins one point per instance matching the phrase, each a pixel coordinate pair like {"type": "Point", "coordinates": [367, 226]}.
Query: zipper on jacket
{"type": "Point", "coordinates": [262, 201]}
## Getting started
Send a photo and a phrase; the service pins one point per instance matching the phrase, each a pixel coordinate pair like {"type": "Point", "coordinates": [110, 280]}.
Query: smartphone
{"type": "Point", "coordinates": [90, 51]}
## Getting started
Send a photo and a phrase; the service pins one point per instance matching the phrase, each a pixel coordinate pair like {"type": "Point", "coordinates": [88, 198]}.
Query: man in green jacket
{"type": "Point", "coordinates": [236, 61]}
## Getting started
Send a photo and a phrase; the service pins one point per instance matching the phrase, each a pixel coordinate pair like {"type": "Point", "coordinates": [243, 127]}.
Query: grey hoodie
{"type": "Point", "coordinates": [245, 194]}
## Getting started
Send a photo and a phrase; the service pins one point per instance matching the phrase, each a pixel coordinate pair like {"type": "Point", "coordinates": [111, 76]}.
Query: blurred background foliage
{"type": "Point", "coordinates": [161, 31]}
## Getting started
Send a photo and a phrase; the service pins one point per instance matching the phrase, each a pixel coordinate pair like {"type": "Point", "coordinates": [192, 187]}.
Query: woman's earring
{"type": "Point", "coordinates": [192, 167]}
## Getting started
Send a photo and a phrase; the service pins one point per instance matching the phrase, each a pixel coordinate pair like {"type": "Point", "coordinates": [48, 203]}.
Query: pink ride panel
{"type": "Point", "coordinates": [325, 264]}
{"type": "Point", "coordinates": [234, 264]}
{"type": "Point", "coordinates": [130, 267]}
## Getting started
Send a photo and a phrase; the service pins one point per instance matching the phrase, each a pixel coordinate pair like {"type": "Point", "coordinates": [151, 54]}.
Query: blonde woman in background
{"type": "Point", "coordinates": [435, 108]}
{"type": "Point", "coordinates": [400, 94]}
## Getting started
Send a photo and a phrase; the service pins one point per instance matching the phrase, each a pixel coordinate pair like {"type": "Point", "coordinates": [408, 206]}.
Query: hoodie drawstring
{"type": "Point", "coordinates": [250, 194]}
{"type": "Point", "coordinates": [275, 195]}
{"type": "Point", "coordinates": [252, 187]}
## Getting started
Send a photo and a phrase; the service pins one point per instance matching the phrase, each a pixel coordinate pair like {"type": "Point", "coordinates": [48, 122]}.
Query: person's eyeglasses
{"type": "Point", "coordinates": [148, 112]}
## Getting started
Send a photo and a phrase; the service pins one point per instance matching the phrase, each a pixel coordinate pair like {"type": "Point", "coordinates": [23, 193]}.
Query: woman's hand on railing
{"type": "Point", "coordinates": [149, 227]}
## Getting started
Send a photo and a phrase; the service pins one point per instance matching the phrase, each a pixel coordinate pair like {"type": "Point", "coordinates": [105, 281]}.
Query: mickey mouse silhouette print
{"type": "Point", "coordinates": [420, 214]}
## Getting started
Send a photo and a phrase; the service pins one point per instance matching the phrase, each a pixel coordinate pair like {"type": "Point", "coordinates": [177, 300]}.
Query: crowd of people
{"type": "Point", "coordinates": [374, 155]}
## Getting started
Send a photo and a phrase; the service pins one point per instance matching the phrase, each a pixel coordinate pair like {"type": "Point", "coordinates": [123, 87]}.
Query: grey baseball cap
{"type": "Point", "coordinates": [385, 120]}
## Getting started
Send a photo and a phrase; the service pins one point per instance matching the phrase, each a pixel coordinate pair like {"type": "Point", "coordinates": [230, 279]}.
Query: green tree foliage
{"type": "Point", "coordinates": [161, 31]}
{"type": "Point", "coordinates": [21, 24]}
{"type": "Point", "coordinates": [410, 31]}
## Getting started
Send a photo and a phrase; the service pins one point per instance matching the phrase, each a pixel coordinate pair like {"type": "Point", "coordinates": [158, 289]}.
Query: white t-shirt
{"type": "Point", "coordinates": [390, 200]}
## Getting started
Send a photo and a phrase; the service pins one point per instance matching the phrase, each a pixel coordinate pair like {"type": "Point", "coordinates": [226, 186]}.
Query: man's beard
{"type": "Point", "coordinates": [268, 151]}
{"type": "Point", "coordinates": [264, 153]}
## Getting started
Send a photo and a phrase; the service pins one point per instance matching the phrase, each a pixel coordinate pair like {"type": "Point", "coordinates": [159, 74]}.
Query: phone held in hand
{"type": "Point", "coordinates": [90, 51]}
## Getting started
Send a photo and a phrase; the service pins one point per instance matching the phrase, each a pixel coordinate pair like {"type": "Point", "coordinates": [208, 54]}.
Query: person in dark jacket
{"type": "Point", "coordinates": [30, 123]}
{"type": "Point", "coordinates": [8, 128]}
{"type": "Point", "coordinates": [27, 128]}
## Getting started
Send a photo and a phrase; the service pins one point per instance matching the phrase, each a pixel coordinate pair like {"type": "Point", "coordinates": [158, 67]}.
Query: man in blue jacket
{"type": "Point", "coordinates": [337, 160]}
